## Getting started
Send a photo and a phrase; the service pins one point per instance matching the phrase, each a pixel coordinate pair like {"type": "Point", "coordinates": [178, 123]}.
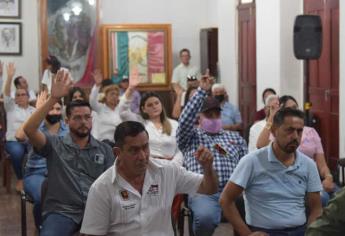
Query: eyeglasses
{"type": "Point", "coordinates": [21, 94]}
{"type": "Point", "coordinates": [191, 78]}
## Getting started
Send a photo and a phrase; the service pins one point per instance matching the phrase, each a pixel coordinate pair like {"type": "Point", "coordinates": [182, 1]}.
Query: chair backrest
{"type": "Point", "coordinates": [341, 172]}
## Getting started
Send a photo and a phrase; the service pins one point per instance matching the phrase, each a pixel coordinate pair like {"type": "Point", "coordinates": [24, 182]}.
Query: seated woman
{"type": "Point", "coordinates": [76, 93]}
{"type": "Point", "coordinates": [162, 130]}
{"type": "Point", "coordinates": [36, 165]}
{"type": "Point", "coordinates": [311, 146]}
{"type": "Point", "coordinates": [105, 107]}
{"type": "Point", "coordinates": [18, 110]}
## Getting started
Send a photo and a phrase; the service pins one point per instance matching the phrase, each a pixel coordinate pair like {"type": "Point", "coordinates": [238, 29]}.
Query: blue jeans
{"type": "Point", "coordinates": [206, 213]}
{"type": "Point", "coordinates": [55, 224]}
{"type": "Point", "coordinates": [17, 151]}
{"type": "Point", "coordinates": [33, 180]}
{"type": "Point", "coordinates": [297, 231]}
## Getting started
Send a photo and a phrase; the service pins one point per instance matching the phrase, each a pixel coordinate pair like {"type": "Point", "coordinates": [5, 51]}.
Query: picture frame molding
{"type": "Point", "coordinates": [18, 16]}
{"type": "Point", "coordinates": [166, 28]}
{"type": "Point", "coordinates": [20, 32]}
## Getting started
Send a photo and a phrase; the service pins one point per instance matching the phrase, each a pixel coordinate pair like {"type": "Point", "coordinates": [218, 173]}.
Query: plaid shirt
{"type": "Point", "coordinates": [227, 147]}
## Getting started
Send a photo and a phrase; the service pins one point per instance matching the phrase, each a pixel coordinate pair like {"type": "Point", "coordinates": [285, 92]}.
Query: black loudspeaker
{"type": "Point", "coordinates": [307, 37]}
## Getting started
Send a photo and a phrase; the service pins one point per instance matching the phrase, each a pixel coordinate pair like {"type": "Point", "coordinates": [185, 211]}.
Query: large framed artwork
{"type": "Point", "coordinates": [10, 38]}
{"type": "Point", "coordinates": [144, 47]}
{"type": "Point", "coordinates": [69, 31]}
{"type": "Point", "coordinates": [10, 8]}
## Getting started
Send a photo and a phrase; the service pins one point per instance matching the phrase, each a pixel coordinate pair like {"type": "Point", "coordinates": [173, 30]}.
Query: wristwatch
{"type": "Point", "coordinates": [268, 125]}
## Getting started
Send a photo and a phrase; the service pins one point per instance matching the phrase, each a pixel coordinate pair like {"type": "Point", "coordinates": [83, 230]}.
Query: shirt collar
{"type": "Point", "coordinates": [153, 166]}
{"type": "Point", "coordinates": [272, 158]}
{"type": "Point", "coordinates": [69, 141]}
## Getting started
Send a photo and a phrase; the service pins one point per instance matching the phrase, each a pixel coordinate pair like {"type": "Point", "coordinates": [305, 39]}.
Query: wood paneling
{"type": "Point", "coordinates": [247, 62]}
{"type": "Point", "coordinates": [323, 87]}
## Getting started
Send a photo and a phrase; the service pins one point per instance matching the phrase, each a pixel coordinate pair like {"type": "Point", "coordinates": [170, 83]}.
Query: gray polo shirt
{"type": "Point", "coordinates": [71, 172]}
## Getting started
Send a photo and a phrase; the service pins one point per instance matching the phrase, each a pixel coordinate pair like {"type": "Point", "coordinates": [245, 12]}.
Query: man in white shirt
{"type": "Point", "coordinates": [183, 70]}
{"type": "Point", "coordinates": [135, 196]}
{"type": "Point", "coordinates": [271, 106]}
{"type": "Point", "coordinates": [21, 83]}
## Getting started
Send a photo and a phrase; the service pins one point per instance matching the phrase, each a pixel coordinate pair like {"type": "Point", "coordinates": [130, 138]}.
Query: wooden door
{"type": "Point", "coordinates": [247, 63]}
{"type": "Point", "coordinates": [323, 85]}
{"type": "Point", "coordinates": [209, 50]}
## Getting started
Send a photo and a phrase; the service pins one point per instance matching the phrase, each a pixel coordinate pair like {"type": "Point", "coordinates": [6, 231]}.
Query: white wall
{"type": "Point", "coordinates": [268, 54]}
{"type": "Point", "coordinates": [186, 18]}
{"type": "Point", "coordinates": [276, 65]}
{"type": "Point", "coordinates": [227, 47]}
{"type": "Point", "coordinates": [342, 81]}
{"type": "Point", "coordinates": [291, 69]}
{"type": "Point", "coordinates": [27, 64]}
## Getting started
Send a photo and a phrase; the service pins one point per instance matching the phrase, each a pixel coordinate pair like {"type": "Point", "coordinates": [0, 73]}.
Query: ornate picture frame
{"type": "Point", "coordinates": [146, 47]}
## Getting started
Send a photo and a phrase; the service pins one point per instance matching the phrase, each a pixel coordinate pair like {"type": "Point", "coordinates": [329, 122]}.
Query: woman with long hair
{"type": "Point", "coordinates": [161, 129]}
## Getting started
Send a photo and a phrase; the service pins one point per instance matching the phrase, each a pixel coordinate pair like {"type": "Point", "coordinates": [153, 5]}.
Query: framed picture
{"type": "Point", "coordinates": [10, 38]}
{"type": "Point", "coordinates": [145, 47]}
{"type": "Point", "coordinates": [69, 32]}
{"type": "Point", "coordinates": [10, 8]}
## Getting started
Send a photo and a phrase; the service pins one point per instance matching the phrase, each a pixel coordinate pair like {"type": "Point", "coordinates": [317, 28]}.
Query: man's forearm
{"type": "Point", "coordinates": [232, 214]}
{"type": "Point", "coordinates": [209, 184]}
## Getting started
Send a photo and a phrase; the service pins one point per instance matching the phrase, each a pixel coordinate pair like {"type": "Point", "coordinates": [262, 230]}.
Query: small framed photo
{"type": "Point", "coordinates": [10, 38]}
{"type": "Point", "coordinates": [10, 8]}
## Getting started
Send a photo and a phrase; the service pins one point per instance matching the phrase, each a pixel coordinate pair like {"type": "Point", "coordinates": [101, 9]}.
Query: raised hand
{"type": "Point", "coordinates": [204, 157]}
{"type": "Point", "coordinates": [178, 90]}
{"type": "Point", "coordinates": [97, 77]}
{"type": "Point", "coordinates": [206, 81]}
{"type": "Point", "coordinates": [41, 99]}
{"type": "Point", "coordinates": [11, 70]}
{"type": "Point", "coordinates": [134, 78]}
{"type": "Point", "coordinates": [61, 84]}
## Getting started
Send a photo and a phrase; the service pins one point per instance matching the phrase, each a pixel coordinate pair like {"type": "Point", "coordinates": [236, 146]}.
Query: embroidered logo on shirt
{"type": "Point", "coordinates": [153, 190]}
{"type": "Point", "coordinates": [99, 158]}
{"type": "Point", "coordinates": [124, 194]}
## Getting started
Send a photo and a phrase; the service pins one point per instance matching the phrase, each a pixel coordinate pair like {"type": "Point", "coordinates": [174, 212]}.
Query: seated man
{"type": "Point", "coordinates": [135, 196]}
{"type": "Point", "coordinates": [21, 83]}
{"type": "Point", "coordinates": [231, 116]}
{"type": "Point", "coordinates": [73, 161]}
{"type": "Point", "coordinates": [227, 148]}
{"type": "Point", "coordinates": [277, 180]}
{"type": "Point", "coordinates": [36, 165]}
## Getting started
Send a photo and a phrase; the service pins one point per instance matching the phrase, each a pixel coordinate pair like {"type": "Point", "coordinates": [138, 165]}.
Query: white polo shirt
{"type": "Point", "coordinates": [114, 207]}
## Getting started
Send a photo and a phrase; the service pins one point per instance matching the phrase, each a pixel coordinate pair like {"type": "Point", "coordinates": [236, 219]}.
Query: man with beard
{"type": "Point", "coordinates": [73, 161]}
{"type": "Point", "coordinates": [277, 180]}
{"type": "Point", "coordinates": [135, 196]}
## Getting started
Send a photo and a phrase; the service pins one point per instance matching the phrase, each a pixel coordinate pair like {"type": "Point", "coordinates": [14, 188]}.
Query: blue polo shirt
{"type": "Point", "coordinates": [273, 193]}
{"type": "Point", "coordinates": [230, 114]}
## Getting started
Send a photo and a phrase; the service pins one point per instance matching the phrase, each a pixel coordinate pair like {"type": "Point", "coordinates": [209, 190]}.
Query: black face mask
{"type": "Point", "coordinates": [53, 119]}
{"type": "Point", "coordinates": [220, 98]}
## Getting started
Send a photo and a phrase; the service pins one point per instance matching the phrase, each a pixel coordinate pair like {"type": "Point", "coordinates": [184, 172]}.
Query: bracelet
{"type": "Point", "coordinates": [268, 125]}
{"type": "Point", "coordinates": [329, 175]}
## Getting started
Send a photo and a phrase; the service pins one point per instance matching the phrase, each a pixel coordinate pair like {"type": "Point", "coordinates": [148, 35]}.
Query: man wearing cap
{"type": "Point", "coordinates": [227, 148]}
{"type": "Point", "coordinates": [183, 70]}
{"type": "Point", "coordinates": [135, 104]}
